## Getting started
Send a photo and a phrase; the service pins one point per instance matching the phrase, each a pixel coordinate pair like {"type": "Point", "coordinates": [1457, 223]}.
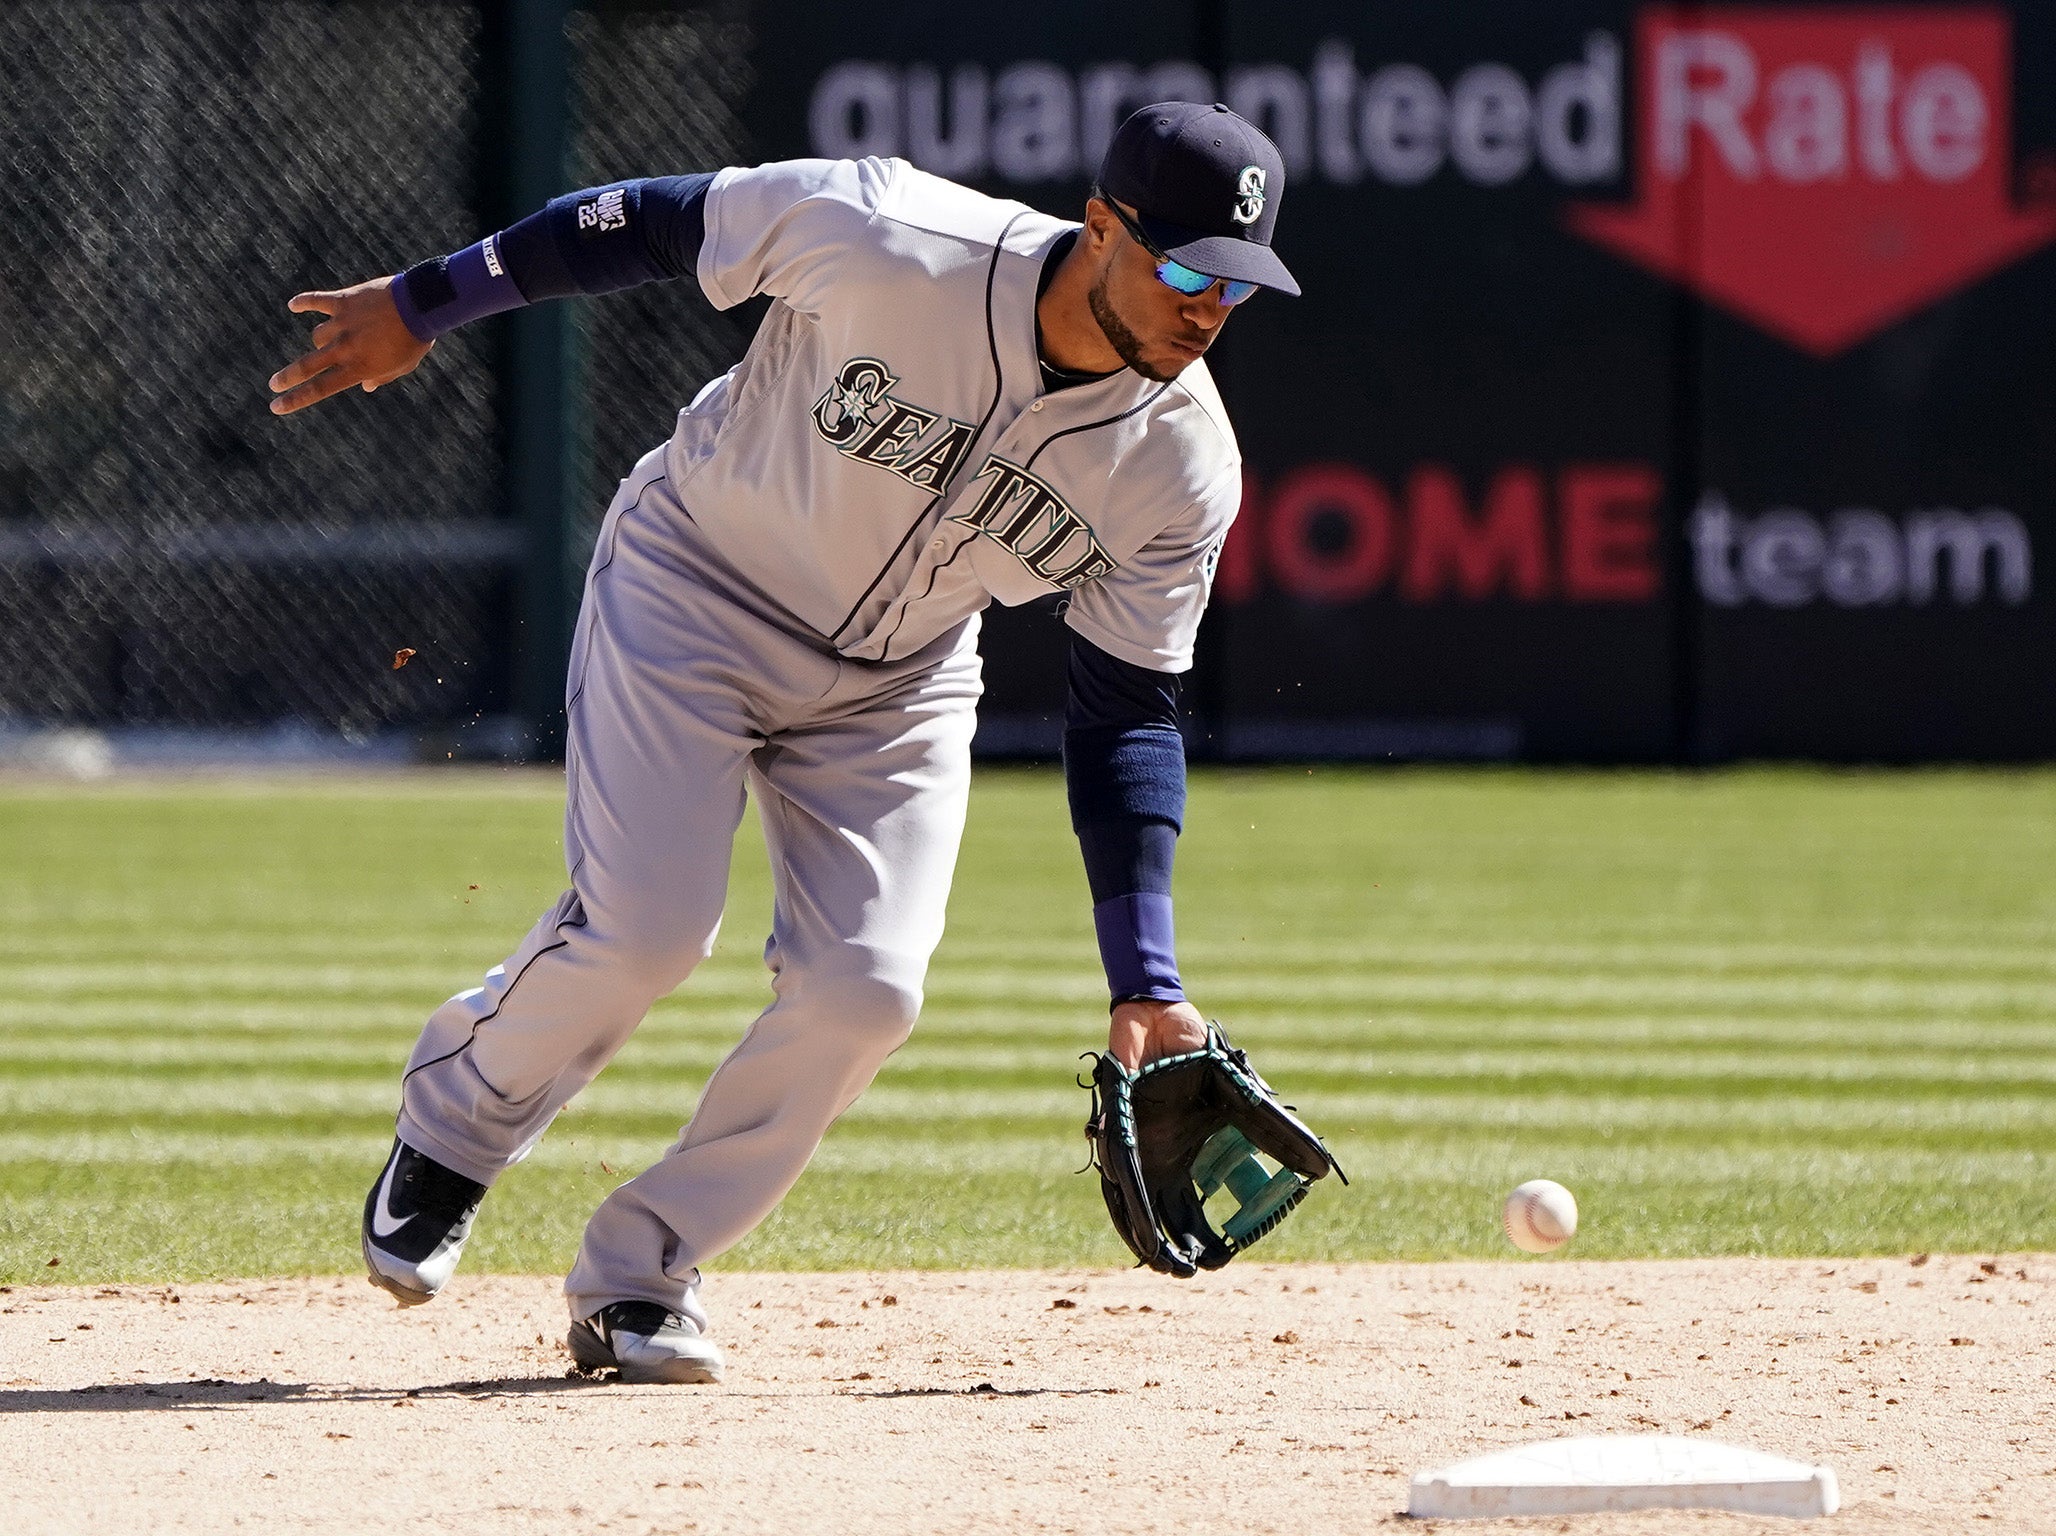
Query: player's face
{"type": "Point", "coordinates": [1158, 331]}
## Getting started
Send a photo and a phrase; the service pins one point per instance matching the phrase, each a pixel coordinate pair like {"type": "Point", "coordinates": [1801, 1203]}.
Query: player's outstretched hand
{"type": "Point", "coordinates": [363, 342]}
{"type": "Point", "coordinates": [1141, 1032]}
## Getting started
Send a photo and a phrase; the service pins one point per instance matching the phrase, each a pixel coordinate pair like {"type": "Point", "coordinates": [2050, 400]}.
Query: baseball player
{"type": "Point", "coordinates": [953, 399]}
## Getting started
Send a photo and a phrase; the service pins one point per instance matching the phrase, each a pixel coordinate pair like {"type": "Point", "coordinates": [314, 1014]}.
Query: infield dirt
{"type": "Point", "coordinates": [1294, 1398]}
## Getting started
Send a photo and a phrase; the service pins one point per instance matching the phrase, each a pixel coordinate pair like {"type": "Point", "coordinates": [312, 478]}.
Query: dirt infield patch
{"type": "Point", "coordinates": [1294, 1398]}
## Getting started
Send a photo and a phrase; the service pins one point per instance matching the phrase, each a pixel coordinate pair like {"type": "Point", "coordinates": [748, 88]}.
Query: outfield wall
{"type": "Point", "coordinates": [1673, 383]}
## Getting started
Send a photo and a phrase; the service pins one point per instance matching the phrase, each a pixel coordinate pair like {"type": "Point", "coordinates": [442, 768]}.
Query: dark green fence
{"type": "Point", "coordinates": [1674, 383]}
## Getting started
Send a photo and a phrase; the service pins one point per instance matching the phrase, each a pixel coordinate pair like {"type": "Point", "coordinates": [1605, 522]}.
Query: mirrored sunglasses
{"type": "Point", "coordinates": [1174, 275]}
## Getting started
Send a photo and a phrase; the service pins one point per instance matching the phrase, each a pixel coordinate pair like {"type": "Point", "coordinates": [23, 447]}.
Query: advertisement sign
{"type": "Point", "coordinates": [1874, 374]}
{"type": "Point", "coordinates": [1673, 382]}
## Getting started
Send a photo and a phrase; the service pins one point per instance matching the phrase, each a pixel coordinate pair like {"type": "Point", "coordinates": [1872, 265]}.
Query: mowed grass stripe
{"type": "Point", "coordinates": [2030, 957]}
{"type": "Point", "coordinates": [1294, 1065]}
{"type": "Point", "coordinates": [200, 1026]}
{"type": "Point", "coordinates": [1546, 1135]}
{"type": "Point", "coordinates": [1532, 991]}
{"type": "Point", "coordinates": [1687, 996]}
{"type": "Point", "coordinates": [938, 1066]}
{"type": "Point", "coordinates": [1437, 1159]}
{"type": "Point", "coordinates": [56, 1102]}
{"type": "Point", "coordinates": [532, 1221]}
{"type": "Point", "coordinates": [1306, 1068]}
{"type": "Point", "coordinates": [1074, 984]}
{"type": "Point", "coordinates": [322, 986]}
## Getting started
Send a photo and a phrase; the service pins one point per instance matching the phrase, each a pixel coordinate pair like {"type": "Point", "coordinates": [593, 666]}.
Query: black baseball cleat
{"type": "Point", "coordinates": [415, 1221]}
{"type": "Point", "coordinates": [645, 1343]}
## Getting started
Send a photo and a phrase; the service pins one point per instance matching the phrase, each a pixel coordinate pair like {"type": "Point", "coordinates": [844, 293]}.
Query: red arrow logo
{"type": "Point", "coordinates": [1822, 173]}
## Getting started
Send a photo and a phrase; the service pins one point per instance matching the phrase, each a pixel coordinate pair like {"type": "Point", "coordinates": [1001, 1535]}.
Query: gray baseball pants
{"type": "Point", "coordinates": [685, 685]}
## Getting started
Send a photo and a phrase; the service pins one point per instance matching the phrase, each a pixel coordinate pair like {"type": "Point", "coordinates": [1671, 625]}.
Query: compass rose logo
{"type": "Point", "coordinates": [1249, 195]}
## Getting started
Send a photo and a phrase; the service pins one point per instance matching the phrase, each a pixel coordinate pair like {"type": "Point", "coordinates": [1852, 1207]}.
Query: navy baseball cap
{"type": "Point", "coordinates": [1205, 186]}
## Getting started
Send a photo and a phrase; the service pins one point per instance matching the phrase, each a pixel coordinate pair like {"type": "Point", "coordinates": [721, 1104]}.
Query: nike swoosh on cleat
{"type": "Point", "coordinates": [379, 1225]}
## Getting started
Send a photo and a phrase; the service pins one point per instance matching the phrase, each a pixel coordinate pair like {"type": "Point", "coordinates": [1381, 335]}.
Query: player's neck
{"type": "Point", "coordinates": [1071, 339]}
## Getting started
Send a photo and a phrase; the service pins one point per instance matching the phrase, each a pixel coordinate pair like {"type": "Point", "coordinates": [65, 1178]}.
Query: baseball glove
{"type": "Point", "coordinates": [1166, 1138]}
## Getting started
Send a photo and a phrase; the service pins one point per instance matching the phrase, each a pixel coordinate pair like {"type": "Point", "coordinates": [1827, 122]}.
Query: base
{"type": "Point", "coordinates": [1594, 1473]}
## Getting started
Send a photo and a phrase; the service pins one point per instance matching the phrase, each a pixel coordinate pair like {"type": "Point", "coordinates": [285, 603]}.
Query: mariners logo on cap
{"type": "Point", "coordinates": [1249, 203]}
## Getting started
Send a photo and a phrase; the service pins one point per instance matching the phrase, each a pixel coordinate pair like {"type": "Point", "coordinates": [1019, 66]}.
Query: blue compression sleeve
{"type": "Point", "coordinates": [1124, 769]}
{"type": "Point", "coordinates": [595, 241]}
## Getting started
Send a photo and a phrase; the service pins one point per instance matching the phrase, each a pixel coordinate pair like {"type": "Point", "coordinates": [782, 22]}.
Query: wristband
{"type": "Point", "coordinates": [1136, 947]}
{"type": "Point", "coordinates": [435, 297]}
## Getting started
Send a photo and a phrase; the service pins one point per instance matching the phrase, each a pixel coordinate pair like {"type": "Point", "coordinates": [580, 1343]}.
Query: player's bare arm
{"type": "Point", "coordinates": [361, 345]}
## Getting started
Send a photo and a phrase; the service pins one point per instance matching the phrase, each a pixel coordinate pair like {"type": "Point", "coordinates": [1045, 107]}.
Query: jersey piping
{"type": "Point", "coordinates": [1104, 421]}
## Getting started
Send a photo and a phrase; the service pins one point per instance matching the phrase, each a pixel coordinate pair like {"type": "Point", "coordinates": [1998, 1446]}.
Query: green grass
{"type": "Point", "coordinates": [1756, 1012]}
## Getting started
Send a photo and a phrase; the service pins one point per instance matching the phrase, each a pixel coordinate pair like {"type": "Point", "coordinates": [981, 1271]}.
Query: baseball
{"type": "Point", "coordinates": [1541, 1215]}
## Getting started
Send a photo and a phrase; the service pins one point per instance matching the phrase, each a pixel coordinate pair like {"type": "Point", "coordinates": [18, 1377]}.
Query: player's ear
{"type": "Point", "coordinates": [1100, 223]}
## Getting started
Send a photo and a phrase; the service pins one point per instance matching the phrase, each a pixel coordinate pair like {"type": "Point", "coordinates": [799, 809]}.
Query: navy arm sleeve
{"type": "Point", "coordinates": [595, 241]}
{"type": "Point", "coordinates": [608, 238]}
{"type": "Point", "coordinates": [1124, 773]}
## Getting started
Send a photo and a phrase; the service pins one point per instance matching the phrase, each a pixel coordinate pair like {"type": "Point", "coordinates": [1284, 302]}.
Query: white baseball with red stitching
{"type": "Point", "coordinates": [1541, 1215]}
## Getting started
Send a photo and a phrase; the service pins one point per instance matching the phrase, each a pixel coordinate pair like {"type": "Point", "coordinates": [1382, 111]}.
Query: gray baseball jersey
{"type": "Point", "coordinates": [883, 462]}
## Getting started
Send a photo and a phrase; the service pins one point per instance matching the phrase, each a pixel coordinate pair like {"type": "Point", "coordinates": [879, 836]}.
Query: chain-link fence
{"type": "Point", "coordinates": [172, 554]}
{"type": "Point", "coordinates": [655, 92]}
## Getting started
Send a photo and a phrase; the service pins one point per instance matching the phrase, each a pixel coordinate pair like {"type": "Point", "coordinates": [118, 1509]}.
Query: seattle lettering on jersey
{"type": "Point", "coordinates": [1026, 515]}
{"type": "Point", "coordinates": [872, 427]}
